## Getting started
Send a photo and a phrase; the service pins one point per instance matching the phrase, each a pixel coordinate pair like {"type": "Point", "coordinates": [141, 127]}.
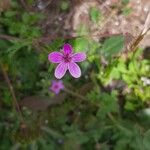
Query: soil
{"type": "Point", "coordinates": [60, 23]}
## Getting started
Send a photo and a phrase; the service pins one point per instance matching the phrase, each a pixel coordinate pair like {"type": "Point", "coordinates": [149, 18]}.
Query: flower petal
{"type": "Point", "coordinates": [56, 91]}
{"type": "Point", "coordinates": [60, 83]}
{"type": "Point", "coordinates": [78, 57]}
{"type": "Point", "coordinates": [67, 48]}
{"type": "Point", "coordinates": [60, 70]}
{"type": "Point", "coordinates": [74, 70]}
{"type": "Point", "coordinates": [55, 57]}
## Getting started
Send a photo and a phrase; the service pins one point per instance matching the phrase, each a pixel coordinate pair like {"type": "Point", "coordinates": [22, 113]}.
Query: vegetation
{"type": "Point", "coordinates": [107, 108]}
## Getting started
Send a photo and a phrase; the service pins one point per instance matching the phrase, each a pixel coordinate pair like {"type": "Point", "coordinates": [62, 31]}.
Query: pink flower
{"type": "Point", "coordinates": [56, 86]}
{"type": "Point", "coordinates": [67, 61]}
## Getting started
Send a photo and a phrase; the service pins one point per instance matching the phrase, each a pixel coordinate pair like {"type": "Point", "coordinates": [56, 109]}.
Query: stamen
{"type": "Point", "coordinates": [56, 86]}
{"type": "Point", "coordinates": [67, 58]}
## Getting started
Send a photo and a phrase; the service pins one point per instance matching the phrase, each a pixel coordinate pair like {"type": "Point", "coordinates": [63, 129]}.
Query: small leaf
{"type": "Point", "coordinates": [127, 11]}
{"type": "Point", "coordinates": [95, 15]}
{"type": "Point", "coordinates": [130, 106]}
{"type": "Point", "coordinates": [64, 5]}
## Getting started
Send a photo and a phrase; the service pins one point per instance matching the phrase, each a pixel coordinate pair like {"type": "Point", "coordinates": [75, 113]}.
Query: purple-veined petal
{"type": "Point", "coordinates": [74, 70]}
{"type": "Point", "coordinates": [55, 57]}
{"type": "Point", "coordinates": [61, 85]}
{"type": "Point", "coordinates": [60, 70]}
{"type": "Point", "coordinates": [56, 91]}
{"type": "Point", "coordinates": [78, 57]}
{"type": "Point", "coordinates": [67, 48]}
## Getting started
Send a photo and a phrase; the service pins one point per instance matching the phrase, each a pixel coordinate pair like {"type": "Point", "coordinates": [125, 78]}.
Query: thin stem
{"type": "Point", "coordinates": [75, 94]}
{"type": "Point", "coordinates": [15, 103]}
{"type": "Point", "coordinates": [49, 38]}
{"type": "Point", "coordinates": [8, 37]}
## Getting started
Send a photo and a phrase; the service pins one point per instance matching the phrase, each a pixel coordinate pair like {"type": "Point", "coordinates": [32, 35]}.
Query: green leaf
{"type": "Point", "coordinates": [64, 5]}
{"type": "Point", "coordinates": [125, 2]}
{"type": "Point", "coordinates": [31, 18]}
{"type": "Point", "coordinates": [95, 14]}
{"type": "Point", "coordinates": [112, 45]}
{"type": "Point", "coordinates": [127, 11]}
{"type": "Point", "coordinates": [10, 14]}
{"type": "Point", "coordinates": [108, 103]}
{"type": "Point", "coordinates": [80, 44]}
{"type": "Point", "coordinates": [17, 45]}
{"type": "Point", "coordinates": [7, 99]}
{"type": "Point", "coordinates": [146, 140]}
{"type": "Point", "coordinates": [115, 74]}
{"type": "Point", "coordinates": [130, 106]}
{"type": "Point", "coordinates": [122, 67]}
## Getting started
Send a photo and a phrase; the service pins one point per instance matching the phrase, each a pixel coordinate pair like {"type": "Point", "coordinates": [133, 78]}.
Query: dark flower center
{"type": "Point", "coordinates": [67, 58]}
{"type": "Point", "coordinates": [56, 86]}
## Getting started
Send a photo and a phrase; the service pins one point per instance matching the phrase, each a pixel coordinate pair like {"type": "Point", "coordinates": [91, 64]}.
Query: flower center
{"type": "Point", "coordinates": [56, 86]}
{"type": "Point", "coordinates": [67, 58]}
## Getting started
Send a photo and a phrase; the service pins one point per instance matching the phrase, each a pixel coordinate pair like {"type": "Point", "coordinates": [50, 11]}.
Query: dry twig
{"type": "Point", "coordinates": [15, 103]}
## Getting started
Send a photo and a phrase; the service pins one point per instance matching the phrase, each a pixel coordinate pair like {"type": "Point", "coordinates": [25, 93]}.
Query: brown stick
{"type": "Point", "coordinates": [48, 38]}
{"type": "Point", "coordinates": [15, 103]}
{"type": "Point", "coordinates": [8, 37]}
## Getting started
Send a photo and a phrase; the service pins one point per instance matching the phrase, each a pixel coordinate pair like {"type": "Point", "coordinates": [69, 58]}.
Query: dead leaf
{"type": "Point", "coordinates": [4, 5]}
{"type": "Point", "coordinates": [147, 24]}
{"type": "Point", "coordinates": [37, 103]}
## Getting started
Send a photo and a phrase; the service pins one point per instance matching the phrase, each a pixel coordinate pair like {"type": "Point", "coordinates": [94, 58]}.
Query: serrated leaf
{"type": "Point", "coordinates": [112, 46]}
